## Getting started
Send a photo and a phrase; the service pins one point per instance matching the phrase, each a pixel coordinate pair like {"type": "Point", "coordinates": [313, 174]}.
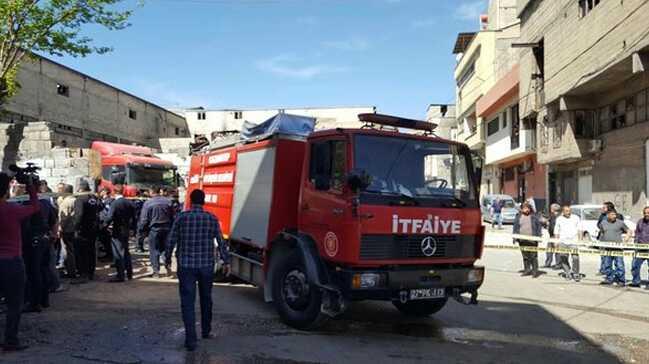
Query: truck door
{"type": "Point", "coordinates": [324, 211]}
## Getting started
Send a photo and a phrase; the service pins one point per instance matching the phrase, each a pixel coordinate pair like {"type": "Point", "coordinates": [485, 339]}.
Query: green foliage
{"type": "Point", "coordinates": [53, 27]}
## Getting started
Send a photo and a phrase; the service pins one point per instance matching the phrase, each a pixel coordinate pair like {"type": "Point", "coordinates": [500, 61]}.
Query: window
{"type": "Point", "coordinates": [238, 115]}
{"type": "Point", "coordinates": [508, 174]}
{"type": "Point", "coordinates": [514, 137]}
{"type": "Point", "coordinates": [62, 90]}
{"type": "Point", "coordinates": [327, 165]}
{"type": "Point", "coordinates": [177, 131]}
{"type": "Point", "coordinates": [492, 126]}
{"type": "Point", "coordinates": [585, 124]}
{"type": "Point", "coordinates": [504, 117]}
{"type": "Point", "coordinates": [132, 114]}
{"type": "Point", "coordinates": [641, 106]}
{"type": "Point", "coordinates": [202, 116]}
{"type": "Point", "coordinates": [466, 75]}
{"type": "Point", "coordinates": [629, 106]}
{"type": "Point", "coordinates": [586, 6]}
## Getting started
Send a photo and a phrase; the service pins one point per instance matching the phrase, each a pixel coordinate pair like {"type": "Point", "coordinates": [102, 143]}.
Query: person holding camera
{"type": "Point", "coordinates": [12, 266]}
{"type": "Point", "coordinates": [87, 207]}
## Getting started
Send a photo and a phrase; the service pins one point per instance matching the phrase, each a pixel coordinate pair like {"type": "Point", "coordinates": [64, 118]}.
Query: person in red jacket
{"type": "Point", "coordinates": [12, 267]}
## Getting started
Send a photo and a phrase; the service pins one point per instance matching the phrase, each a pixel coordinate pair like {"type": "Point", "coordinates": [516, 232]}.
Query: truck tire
{"type": "Point", "coordinates": [297, 302]}
{"type": "Point", "coordinates": [421, 308]}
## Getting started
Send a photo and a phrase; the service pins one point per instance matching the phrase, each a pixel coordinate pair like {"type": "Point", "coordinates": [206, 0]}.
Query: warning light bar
{"type": "Point", "coordinates": [396, 121]}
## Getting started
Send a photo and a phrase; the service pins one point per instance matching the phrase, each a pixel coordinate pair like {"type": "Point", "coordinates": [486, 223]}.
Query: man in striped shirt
{"type": "Point", "coordinates": [193, 234]}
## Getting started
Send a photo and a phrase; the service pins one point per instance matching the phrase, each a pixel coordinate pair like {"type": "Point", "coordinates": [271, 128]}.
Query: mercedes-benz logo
{"type": "Point", "coordinates": [429, 246]}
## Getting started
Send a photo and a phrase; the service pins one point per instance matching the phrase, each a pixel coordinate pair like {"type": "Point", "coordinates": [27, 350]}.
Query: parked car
{"type": "Point", "coordinates": [589, 215]}
{"type": "Point", "coordinates": [509, 211]}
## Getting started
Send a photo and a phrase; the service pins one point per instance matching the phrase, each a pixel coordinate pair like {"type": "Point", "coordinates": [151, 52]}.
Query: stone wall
{"type": "Point", "coordinates": [67, 165]}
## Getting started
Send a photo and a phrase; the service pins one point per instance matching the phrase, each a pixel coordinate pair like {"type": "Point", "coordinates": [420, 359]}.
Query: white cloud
{"type": "Point", "coordinates": [471, 10]}
{"type": "Point", "coordinates": [290, 66]}
{"type": "Point", "coordinates": [307, 20]}
{"type": "Point", "coordinates": [422, 23]}
{"type": "Point", "coordinates": [353, 44]}
{"type": "Point", "coordinates": [165, 94]}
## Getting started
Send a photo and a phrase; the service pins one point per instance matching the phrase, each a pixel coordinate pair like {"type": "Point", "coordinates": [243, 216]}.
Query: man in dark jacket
{"type": "Point", "coordinates": [527, 223]}
{"type": "Point", "coordinates": [155, 221]}
{"type": "Point", "coordinates": [122, 217]}
{"type": "Point", "coordinates": [104, 232]}
{"type": "Point", "coordinates": [555, 210]}
{"type": "Point", "coordinates": [38, 233]}
{"type": "Point", "coordinates": [86, 227]}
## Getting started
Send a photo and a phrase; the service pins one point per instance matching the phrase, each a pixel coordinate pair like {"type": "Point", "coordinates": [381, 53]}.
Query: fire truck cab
{"type": "Point", "coordinates": [349, 214]}
{"type": "Point", "coordinates": [133, 166]}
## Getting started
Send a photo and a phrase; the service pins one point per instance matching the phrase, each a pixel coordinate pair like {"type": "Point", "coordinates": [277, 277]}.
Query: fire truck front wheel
{"type": "Point", "coordinates": [420, 308]}
{"type": "Point", "coordinates": [298, 302]}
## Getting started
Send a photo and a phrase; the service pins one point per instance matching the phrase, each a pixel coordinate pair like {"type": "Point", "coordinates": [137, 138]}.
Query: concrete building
{"type": "Point", "coordinates": [59, 106]}
{"type": "Point", "coordinates": [510, 143]}
{"type": "Point", "coordinates": [584, 81]}
{"type": "Point", "coordinates": [487, 106]}
{"type": "Point", "coordinates": [205, 122]}
{"type": "Point", "coordinates": [444, 116]}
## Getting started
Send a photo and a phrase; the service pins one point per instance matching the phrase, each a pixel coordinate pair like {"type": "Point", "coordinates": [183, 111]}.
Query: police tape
{"type": "Point", "coordinates": [573, 251]}
{"type": "Point", "coordinates": [588, 243]}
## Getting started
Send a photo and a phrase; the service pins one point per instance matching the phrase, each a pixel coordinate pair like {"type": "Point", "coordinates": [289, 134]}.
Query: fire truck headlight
{"type": "Point", "coordinates": [475, 275]}
{"type": "Point", "coordinates": [367, 280]}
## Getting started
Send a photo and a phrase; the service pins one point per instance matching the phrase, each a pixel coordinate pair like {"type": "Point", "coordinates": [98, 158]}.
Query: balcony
{"type": "Point", "coordinates": [475, 139]}
{"type": "Point", "coordinates": [562, 143]}
{"type": "Point", "coordinates": [503, 147]}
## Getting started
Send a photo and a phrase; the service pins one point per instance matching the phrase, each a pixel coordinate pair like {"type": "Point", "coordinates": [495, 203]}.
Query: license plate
{"type": "Point", "coordinates": [427, 293]}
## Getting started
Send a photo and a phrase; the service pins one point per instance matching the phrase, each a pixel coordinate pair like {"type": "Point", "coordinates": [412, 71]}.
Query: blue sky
{"type": "Point", "coordinates": [394, 54]}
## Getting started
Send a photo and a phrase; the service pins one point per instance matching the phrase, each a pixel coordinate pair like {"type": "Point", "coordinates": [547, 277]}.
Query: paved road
{"type": "Point", "coordinates": [518, 320]}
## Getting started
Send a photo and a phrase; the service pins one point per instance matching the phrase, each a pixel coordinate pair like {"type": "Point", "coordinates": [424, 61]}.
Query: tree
{"type": "Point", "coordinates": [53, 27]}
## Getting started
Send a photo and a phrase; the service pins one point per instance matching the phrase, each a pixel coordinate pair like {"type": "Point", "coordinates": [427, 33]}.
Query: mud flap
{"type": "Point", "coordinates": [333, 303]}
{"type": "Point", "coordinates": [459, 296]}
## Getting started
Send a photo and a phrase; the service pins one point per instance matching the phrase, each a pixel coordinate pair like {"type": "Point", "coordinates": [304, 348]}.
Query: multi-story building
{"type": "Point", "coordinates": [59, 106]}
{"type": "Point", "coordinates": [206, 122]}
{"type": "Point", "coordinates": [584, 82]}
{"type": "Point", "coordinates": [488, 120]}
{"type": "Point", "coordinates": [444, 116]}
{"type": "Point", "coordinates": [510, 143]}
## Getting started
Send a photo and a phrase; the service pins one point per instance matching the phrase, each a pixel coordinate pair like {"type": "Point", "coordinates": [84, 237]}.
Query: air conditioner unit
{"type": "Point", "coordinates": [596, 145]}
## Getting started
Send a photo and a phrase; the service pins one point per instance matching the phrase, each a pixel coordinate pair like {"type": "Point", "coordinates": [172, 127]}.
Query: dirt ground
{"type": "Point", "coordinates": [517, 321]}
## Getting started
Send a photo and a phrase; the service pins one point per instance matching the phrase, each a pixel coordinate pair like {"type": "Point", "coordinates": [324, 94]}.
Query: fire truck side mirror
{"type": "Point", "coordinates": [358, 181]}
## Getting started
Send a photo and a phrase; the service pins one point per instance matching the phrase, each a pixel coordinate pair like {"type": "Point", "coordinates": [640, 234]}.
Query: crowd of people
{"type": "Point", "coordinates": [56, 237]}
{"type": "Point", "coordinates": [566, 231]}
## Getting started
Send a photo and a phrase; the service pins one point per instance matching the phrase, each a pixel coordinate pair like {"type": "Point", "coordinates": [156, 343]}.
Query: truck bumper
{"type": "Point", "coordinates": [397, 283]}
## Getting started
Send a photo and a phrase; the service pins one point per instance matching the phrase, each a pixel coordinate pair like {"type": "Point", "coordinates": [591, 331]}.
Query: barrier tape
{"type": "Point", "coordinates": [592, 243]}
{"type": "Point", "coordinates": [606, 253]}
{"type": "Point", "coordinates": [577, 247]}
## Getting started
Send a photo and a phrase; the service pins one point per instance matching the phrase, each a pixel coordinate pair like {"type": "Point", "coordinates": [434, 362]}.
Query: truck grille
{"type": "Point", "coordinates": [380, 247]}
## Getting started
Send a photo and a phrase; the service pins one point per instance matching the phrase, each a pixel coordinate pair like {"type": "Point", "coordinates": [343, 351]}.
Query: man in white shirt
{"type": "Point", "coordinates": [568, 230]}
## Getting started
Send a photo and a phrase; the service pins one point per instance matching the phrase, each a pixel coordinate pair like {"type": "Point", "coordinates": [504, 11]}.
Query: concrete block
{"type": "Point", "coordinates": [48, 163]}
{"type": "Point", "coordinates": [60, 153]}
{"type": "Point", "coordinates": [60, 172]}
{"type": "Point", "coordinates": [45, 135]}
{"type": "Point", "coordinates": [62, 163]}
{"type": "Point", "coordinates": [79, 163]}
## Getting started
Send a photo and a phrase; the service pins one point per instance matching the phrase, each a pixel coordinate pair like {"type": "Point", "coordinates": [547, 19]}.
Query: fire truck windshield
{"type": "Point", "coordinates": [427, 172]}
{"type": "Point", "coordinates": [142, 176]}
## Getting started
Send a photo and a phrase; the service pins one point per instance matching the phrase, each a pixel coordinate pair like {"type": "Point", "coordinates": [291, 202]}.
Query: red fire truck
{"type": "Point", "coordinates": [133, 166]}
{"type": "Point", "coordinates": [343, 215]}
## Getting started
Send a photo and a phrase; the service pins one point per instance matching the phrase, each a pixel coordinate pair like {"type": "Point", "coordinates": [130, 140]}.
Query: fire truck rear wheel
{"type": "Point", "coordinates": [297, 302]}
{"type": "Point", "coordinates": [420, 308]}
